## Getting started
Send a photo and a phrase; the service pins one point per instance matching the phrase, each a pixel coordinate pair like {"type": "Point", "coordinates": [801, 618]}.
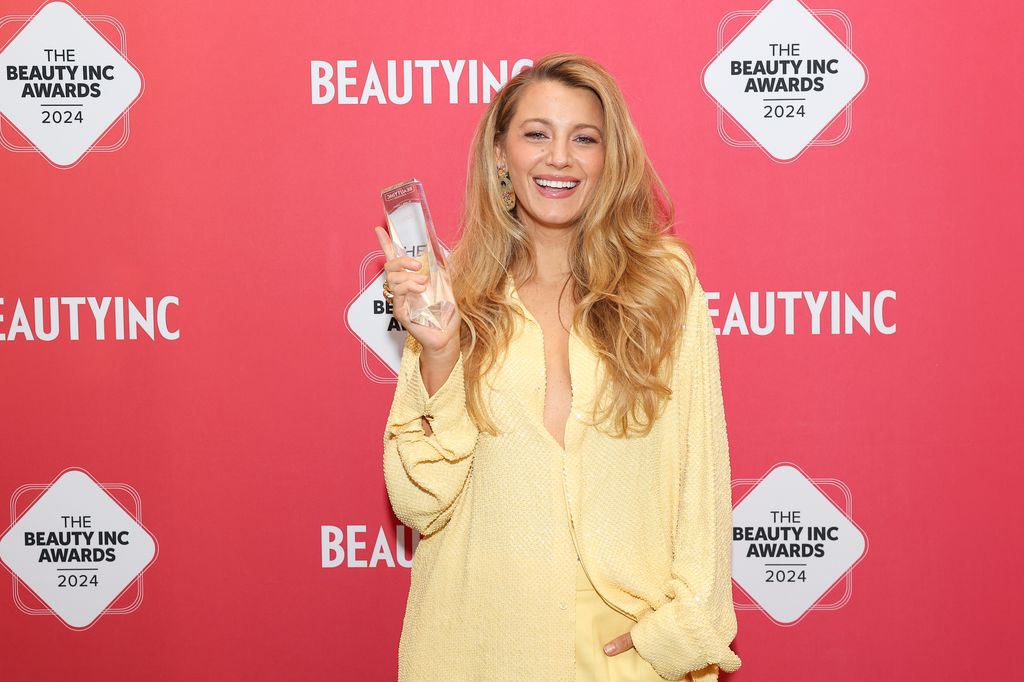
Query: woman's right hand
{"type": "Point", "coordinates": [436, 342]}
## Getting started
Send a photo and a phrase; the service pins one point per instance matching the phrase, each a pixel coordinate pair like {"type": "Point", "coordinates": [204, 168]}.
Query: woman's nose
{"type": "Point", "coordinates": [559, 154]}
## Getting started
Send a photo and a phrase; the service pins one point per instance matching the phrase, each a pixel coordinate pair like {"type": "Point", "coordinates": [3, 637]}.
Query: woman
{"type": "Point", "coordinates": [561, 446]}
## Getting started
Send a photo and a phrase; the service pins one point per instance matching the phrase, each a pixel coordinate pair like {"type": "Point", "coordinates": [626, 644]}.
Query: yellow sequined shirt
{"type": "Point", "coordinates": [503, 517]}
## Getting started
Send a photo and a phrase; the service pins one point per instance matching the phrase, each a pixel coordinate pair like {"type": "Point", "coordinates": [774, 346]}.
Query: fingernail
{"type": "Point", "coordinates": [609, 649]}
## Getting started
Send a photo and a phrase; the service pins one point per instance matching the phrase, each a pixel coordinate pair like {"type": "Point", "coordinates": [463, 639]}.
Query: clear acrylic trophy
{"type": "Point", "coordinates": [412, 233]}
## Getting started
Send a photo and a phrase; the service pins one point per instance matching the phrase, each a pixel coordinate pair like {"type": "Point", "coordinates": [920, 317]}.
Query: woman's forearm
{"type": "Point", "coordinates": [435, 368]}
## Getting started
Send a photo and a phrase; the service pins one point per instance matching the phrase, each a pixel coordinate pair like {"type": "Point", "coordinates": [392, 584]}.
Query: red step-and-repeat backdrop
{"type": "Point", "coordinates": [196, 360]}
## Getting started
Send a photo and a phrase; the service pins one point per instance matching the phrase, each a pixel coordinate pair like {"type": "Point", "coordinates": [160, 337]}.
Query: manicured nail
{"type": "Point", "coordinates": [609, 649]}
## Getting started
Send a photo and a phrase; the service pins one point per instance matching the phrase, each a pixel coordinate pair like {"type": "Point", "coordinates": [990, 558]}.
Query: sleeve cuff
{"type": "Point", "coordinates": [676, 640]}
{"type": "Point", "coordinates": [445, 410]}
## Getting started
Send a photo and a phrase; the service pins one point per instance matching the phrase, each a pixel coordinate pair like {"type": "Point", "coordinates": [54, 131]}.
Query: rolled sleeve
{"type": "Point", "coordinates": [690, 633]}
{"type": "Point", "coordinates": [425, 474]}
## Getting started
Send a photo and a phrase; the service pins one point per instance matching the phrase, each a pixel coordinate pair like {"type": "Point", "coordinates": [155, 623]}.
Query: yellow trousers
{"type": "Point", "coordinates": [596, 625]}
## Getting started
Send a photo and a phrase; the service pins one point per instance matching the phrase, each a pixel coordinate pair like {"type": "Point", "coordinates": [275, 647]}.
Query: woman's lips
{"type": "Point", "coordinates": [556, 192]}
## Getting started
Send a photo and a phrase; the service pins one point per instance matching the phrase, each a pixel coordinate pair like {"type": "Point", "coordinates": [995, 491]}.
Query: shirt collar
{"type": "Point", "coordinates": [513, 295]}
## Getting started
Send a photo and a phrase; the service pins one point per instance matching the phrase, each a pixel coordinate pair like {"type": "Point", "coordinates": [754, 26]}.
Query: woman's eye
{"type": "Point", "coordinates": [538, 135]}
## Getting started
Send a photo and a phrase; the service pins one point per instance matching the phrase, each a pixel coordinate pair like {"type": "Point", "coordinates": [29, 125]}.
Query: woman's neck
{"type": "Point", "coordinates": [551, 249]}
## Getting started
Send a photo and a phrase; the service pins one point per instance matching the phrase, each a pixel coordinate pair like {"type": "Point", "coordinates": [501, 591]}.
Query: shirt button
{"type": "Point", "coordinates": [579, 415]}
{"type": "Point", "coordinates": [563, 605]}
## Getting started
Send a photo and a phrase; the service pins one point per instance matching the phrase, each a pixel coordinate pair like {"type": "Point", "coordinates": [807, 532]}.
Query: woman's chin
{"type": "Point", "coordinates": [556, 221]}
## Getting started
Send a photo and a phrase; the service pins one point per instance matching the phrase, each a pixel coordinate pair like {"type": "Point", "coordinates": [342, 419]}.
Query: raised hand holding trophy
{"type": "Point", "coordinates": [412, 233]}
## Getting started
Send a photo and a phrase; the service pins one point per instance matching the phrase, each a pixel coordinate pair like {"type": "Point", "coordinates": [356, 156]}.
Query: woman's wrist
{"type": "Point", "coordinates": [450, 351]}
{"type": "Point", "coordinates": [436, 366]}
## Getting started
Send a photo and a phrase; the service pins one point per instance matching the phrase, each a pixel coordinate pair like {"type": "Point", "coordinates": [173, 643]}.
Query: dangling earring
{"type": "Point", "coordinates": [508, 196]}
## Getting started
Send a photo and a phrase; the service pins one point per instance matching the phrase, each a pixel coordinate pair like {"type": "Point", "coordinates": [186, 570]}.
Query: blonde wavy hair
{"type": "Point", "coordinates": [630, 298]}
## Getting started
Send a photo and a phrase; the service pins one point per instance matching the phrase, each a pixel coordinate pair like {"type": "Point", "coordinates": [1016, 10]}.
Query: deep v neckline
{"type": "Point", "coordinates": [544, 365]}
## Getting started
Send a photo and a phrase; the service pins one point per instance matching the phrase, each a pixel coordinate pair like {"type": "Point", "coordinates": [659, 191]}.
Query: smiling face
{"type": "Point", "coordinates": [554, 152]}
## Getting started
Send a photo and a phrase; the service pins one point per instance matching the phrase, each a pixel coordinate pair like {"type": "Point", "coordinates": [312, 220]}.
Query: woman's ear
{"type": "Point", "coordinates": [499, 154]}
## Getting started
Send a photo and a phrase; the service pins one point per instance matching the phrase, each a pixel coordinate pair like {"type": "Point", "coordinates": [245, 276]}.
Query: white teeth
{"type": "Point", "coordinates": [556, 184]}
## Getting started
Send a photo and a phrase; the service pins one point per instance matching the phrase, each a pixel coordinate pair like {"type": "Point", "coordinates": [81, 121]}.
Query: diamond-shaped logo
{"type": "Point", "coordinates": [791, 543]}
{"type": "Point", "coordinates": [370, 319]}
{"type": "Point", "coordinates": [76, 548]}
{"type": "Point", "coordinates": [62, 85]}
{"type": "Point", "coordinates": [784, 77]}
{"type": "Point", "coordinates": [366, 316]}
